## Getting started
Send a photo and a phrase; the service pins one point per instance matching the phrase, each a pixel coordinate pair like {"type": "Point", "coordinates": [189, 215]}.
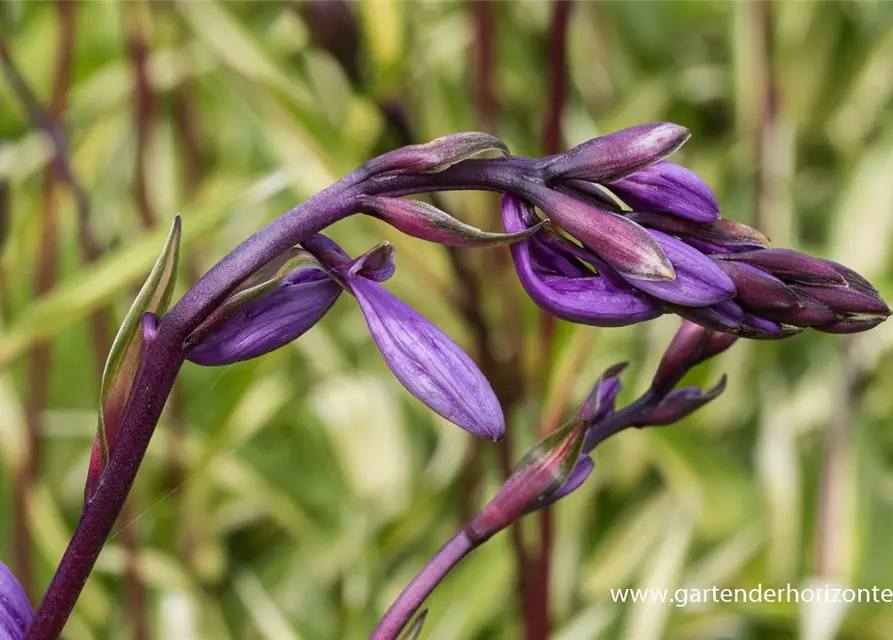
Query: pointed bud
{"type": "Point", "coordinates": [698, 282]}
{"type": "Point", "coordinates": [679, 404]}
{"type": "Point", "coordinates": [592, 300]}
{"type": "Point", "coordinates": [15, 609]}
{"type": "Point", "coordinates": [537, 476]}
{"type": "Point", "coordinates": [124, 356]}
{"type": "Point", "coordinates": [810, 313]}
{"type": "Point", "coordinates": [424, 359]}
{"type": "Point", "coordinates": [600, 401]}
{"type": "Point", "coordinates": [790, 266]}
{"type": "Point", "coordinates": [265, 317]}
{"type": "Point", "coordinates": [683, 353]}
{"type": "Point", "coordinates": [434, 156]}
{"type": "Point", "coordinates": [846, 299]}
{"type": "Point", "coordinates": [422, 220]}
{"type": "Point", "coordinates": [668, 188]}
{"type": "Point", "coordinates": [856, 324]}
{"type": "Point", "coordinates": [759, 290]}
{"type": "Point", "coordinates": [754, 327]}
{"type": "Point", "coordinates": [720, 236]}
{"type": "Point", "coordinates": [628, 248]}
{"type": "Point", "coordinates": [618, 154]}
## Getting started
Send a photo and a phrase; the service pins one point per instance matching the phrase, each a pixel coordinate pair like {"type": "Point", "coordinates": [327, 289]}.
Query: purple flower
{"type": "Point", "coordinates": [563, 286]}
{"type": "Point", "coordinates": [668, 188]}
{"type": "Point", "coordinates": [423, 358]}
{"type": "Point", "coordinates": [15, 610]}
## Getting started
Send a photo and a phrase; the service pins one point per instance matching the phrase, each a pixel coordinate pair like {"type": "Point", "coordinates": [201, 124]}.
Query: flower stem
{"type": "Point", "coordinates": [412, 597]}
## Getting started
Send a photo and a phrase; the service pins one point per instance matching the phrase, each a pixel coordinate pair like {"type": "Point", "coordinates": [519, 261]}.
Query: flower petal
{"type": "Point", "coordinates": [15, 609]}
{"type": "Point", "coordinates": [427, 362]}
{"type": "Point", "coordinates": [669, 188]}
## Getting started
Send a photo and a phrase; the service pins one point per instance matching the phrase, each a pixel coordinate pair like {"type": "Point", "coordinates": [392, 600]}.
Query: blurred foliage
{"type": "Point", "coordinates": [313, 487]}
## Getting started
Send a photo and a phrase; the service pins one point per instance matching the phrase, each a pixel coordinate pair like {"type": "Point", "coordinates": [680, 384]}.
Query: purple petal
{"type": "Point", "coordinates": [427, 362]}
{"type": "Point", "coordinates": [620, 242]}
{"type": "Point", "coordinates": [757, 328]}
{"type": "Point", "coordinates": [790, 265]}
{"type": "Point", "coordinates": [591, 300]}
{"type": "Point", "coordinates": [549, 259]}
{"type": "Point", "coordinates": [15, 609]}
{"type": "Point", "coordinates": [275, 319]}
{"type": "Point", "coordinates": [757, 289]}
{"type": "Point", "coordinates": [600, 401]}
{"type": "Point", "coordinates": [580, 473]}
{"type": "Point", "coordinates": [618, 154]}
{"type": "Point", "coordinates": [668, 188]}
{"type": "Point", "coordinates": [698, 283]}
{"type": "Point", "coordinates": [810, 313]}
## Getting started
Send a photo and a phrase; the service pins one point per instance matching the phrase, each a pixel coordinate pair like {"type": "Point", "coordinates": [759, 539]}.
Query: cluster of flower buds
{"type": "Point", "coordinates": [15, 610]}
{"type": "Point", "coordinates": [646, 238]}
{"type": "Point", "coordinates": [561, 463]}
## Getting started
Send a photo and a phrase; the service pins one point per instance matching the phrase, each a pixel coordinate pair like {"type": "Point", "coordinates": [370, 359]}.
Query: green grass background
{"type": "Point", "coordinates": [315, 485]}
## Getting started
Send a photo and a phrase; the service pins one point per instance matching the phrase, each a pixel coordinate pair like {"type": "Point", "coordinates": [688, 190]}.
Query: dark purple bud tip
{"type": "Point", "coordinates": [681, 403]}
{"type": "Point", "coordinates": [847, 300]}
{"type": "Point", "coordinates": [790, 266]}
{"type": "Point", "coordinates": [691, 345]}
{"type": "Point", "coordinates": [539, 474]}
{"type": "Point", "coordinates": [668, 188]}
{"type": "Point", "coordinates": [618, 154]}
{"type": "Point", "coordinates": [436, 155]}
{"type": "Point", "coordinates": [600, 400]}
{"type": "Point", "coordinates": [15, 610]}
{"type": "Point", "coordinates": [856, 324]}
{"type": "Point", "coordinates": [427, 222]}
{"type": "Point", "coordinates": [624, 245]}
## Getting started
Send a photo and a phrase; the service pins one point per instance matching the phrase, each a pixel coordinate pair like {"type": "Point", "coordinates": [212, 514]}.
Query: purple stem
{"type": "Point", "coordinates": [412, 597]}
{"type": "Point", "coordinates": [164, 357]}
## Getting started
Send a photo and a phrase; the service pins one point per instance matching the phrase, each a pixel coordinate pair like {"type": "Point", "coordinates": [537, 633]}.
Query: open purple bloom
{"type": "Point", "coordinates": [559, 283]}
{"type": "Point", "coordinates": [15, 610]}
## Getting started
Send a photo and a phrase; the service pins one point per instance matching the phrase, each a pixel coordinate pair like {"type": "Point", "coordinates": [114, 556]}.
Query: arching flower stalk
{"type": "Point", "coordinates": [625, 238]}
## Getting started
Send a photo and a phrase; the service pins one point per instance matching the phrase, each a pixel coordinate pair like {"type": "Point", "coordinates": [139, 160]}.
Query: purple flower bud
{"type": "Point", "coordinates": [424, 359]}
{"type": "Point", "coordinates": [790, 266]}
{"type": "Point", "coordinates": [668, 188]}
{"type": "Point", "coordinates": [846, 299]}
{"type": "Point", "coordinates": [698, 283]}
{"type": "Point", "coordinates": [434, 156]}
{"type": "Point", "coordinates": [679, 404]}
{"type": "Point", "coordinates": [422, 220]}
{"type": "Point", "coordinates": [621, 243]}
{"type": "Point", "coordinates": [535, 479]}
{"type": "Point", "coordinates": [720, 236]}
{"type": "Point", "coordinates": [810, 313]}
{"type": "Point", "coordinates": [759, 290]}
{"type": "Point", "coordinates": [590, 300]}
{"type": "Point", "coordinates": [757, 328]}
{"type": "Point", "coordinates": [691, 345]}
{"type": "Point", "coordinates": [249, 328]}
{"type": "Point", "coordinates": [725, 316]}
{"type": "Point", "coordinates": [600, 401]}
{"type": "Point", "coordinates": [851, 325]}
{"type": "Point", "coordinates": [15, 610]}
{"type": "Point", "coordinates": [618, 154]}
